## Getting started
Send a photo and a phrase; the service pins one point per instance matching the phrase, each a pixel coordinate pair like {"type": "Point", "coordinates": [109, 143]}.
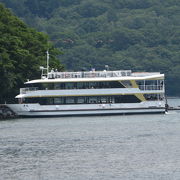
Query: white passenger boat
{"type": "Point", "coordinates": [91, 93]}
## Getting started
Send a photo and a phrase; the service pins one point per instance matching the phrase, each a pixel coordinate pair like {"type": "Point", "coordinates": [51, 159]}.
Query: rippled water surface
{"type": "Point", "coordinates": [106, 147]}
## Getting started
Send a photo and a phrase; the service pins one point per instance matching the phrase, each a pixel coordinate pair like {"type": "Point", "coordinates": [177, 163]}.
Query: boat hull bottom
{"type": "Point", "coordinates": [91, 113]}
{"type": "Point", "coordinates": [36, 110]}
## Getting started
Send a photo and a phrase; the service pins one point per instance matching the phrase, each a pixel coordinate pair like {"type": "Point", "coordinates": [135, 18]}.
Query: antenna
{"type": "Point", "coordinates": [43, 68]}
{"type": "Point", "coordinates": [47, 68]}
{"type": "Point", "coordinates": [47, 61]}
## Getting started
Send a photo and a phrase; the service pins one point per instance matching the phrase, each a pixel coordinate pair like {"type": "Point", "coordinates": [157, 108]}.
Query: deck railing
{"type": "Point", "coordinates": [26, 90]}
{"type": "Point", "coordinates": [151, 87]}
{"type": "Point", "coordinates": [90, 74]}
{"type": "Point", "coordinates": [142, 74]}
{"type": "Point", "coordinates": [141, 87]}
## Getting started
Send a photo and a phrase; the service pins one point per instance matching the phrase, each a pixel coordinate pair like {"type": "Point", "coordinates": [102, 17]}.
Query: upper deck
{"type": "Point", "coordinates": [55, 76]}
{"type": "Point", "coordinates": [88, 74]}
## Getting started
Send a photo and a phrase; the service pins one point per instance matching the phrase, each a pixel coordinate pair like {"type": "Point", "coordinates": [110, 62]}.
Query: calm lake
{"type": "Point", "coordinates": [78, 148]}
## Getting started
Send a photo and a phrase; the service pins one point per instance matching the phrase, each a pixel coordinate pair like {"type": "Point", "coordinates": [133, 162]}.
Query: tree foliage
{"type": "Point", "coordinates": [142, 35]}
{"type": "Point", "coordinates": [22, 51]}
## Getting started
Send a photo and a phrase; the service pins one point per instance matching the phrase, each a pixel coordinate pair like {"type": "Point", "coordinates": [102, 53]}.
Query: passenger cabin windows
{"type": "Point", "coordinates": [78, 85]}
{"type": "Point", "coordinates": [84, 100]}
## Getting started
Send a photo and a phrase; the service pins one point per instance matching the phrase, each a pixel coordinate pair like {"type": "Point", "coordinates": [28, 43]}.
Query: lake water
{"type": "Point", "coordinates": [78, 148]}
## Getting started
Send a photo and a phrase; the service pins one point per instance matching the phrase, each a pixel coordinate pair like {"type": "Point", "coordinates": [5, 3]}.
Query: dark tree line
{"type": "Point", "coordinates": [142, 35]}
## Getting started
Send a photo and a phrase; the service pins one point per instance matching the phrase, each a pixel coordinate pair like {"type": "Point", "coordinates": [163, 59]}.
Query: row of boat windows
{"type": "Point", "coordinates": [95, 85]}
{"type": "Point", "coordinates": [79, 85]}
{"type": "Point", "coordinates": [83, 100]}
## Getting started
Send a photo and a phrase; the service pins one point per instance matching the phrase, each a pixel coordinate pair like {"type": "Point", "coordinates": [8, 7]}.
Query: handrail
{"type": "Point", "coordinates": [141, 87]}
{"type": "Point", "coordinates": [26, 90]}
{"type": "Point", "coordinates": [142, 74]}
{"type": "Point", "coordinates": [151, 87]}
{"type": "Point", "coordinates": [90, 74]}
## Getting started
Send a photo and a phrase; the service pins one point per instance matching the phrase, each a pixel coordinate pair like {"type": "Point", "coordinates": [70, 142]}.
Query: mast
{"type": "Point", "coordinates": [47, 68]}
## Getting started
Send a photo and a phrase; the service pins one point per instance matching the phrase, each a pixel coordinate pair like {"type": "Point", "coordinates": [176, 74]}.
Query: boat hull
{"type": "Point", "coordinates": [36, 110]}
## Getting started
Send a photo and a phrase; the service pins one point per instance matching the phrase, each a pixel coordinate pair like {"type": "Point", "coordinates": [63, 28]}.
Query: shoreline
{"type": "Point", "coordinates": [173, 97]}
{"type": "Point", "coordinates": [6, 113]}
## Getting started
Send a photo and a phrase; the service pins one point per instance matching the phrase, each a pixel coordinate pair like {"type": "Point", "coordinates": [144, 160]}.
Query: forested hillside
{"type": "Point", "coordinates": [22, 51]}
{"type": "Point", "coordinates": [142, 35]}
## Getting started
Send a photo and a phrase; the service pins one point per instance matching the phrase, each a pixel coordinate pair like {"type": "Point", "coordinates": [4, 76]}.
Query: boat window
{"type": "Point", "coordinates": [80, 100]}
{"type": "Point", "coordinates": [92, 100]}
{"type": "Point", "coordinates": [58, 100]}
{"type": "Point", "coordinates": [69, 100]}
{"type": "Point", "coordinates": [126, 99]}
{"type": "Point", "coordinates": [152, 97]}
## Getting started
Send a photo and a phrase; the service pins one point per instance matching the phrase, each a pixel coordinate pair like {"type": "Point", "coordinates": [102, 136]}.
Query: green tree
{"type": "Point", "coordinates": [22, 51]}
